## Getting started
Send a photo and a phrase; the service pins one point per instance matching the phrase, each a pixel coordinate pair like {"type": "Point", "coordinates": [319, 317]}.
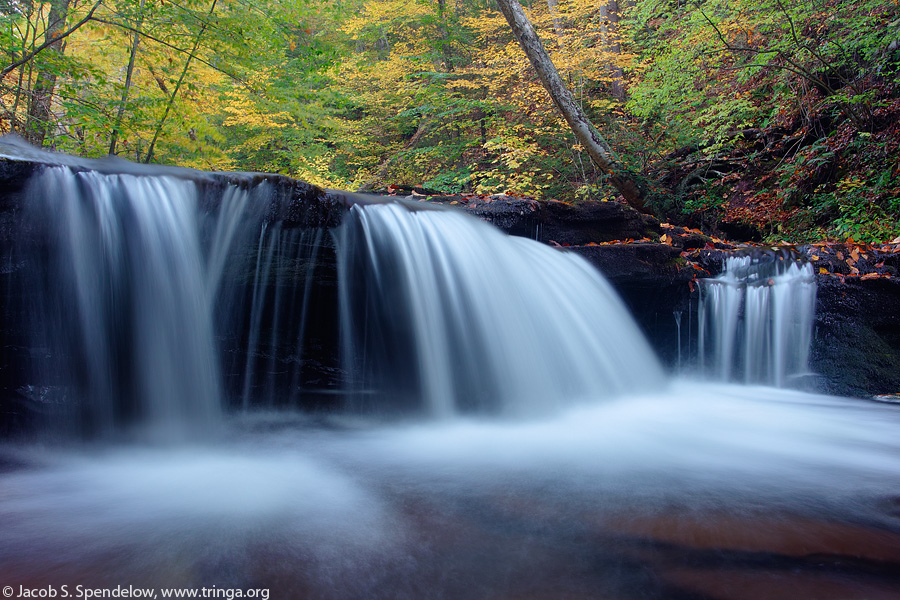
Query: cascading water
{"type": "Point", "coordinates": [286, 261]}
{"type": "Point", "coordinates": [662, 490]}
{"type": "Point", "coordinates": [453, 314]}
{"type": "Point", "coordinates": [127, 294]}
{"type": "Point", "coordinates": [756, 319]}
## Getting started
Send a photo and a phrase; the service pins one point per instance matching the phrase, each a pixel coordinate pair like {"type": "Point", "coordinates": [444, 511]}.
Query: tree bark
{"type": "Point", "coordinates": [135, 42]}
{"type": "Point", "coordinates": [586, 134]}
{"type": "Point", "coordinates": [38, 120]}
{"type": "Point", "coordinates": [609, 33]}
{"type": "Point", "coordinates": [444, 35]}
{"type": "Point", "coordinates": [557, 21]}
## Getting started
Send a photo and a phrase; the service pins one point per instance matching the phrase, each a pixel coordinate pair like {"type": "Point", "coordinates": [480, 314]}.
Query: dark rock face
{"type": "Point", "coordinates": [554, 222]}
{"type": "Point", "coordinates": [586, 222]}
{"type": "Point", "coordinates": [856, 343]}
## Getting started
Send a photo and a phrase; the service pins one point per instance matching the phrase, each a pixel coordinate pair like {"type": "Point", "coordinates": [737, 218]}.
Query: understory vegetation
{"type": "Point", "coordinates": [762, 119]}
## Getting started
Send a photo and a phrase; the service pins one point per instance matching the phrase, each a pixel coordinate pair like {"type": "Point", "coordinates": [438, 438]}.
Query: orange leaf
{"type": "Point", "coordinates": [870, 276]}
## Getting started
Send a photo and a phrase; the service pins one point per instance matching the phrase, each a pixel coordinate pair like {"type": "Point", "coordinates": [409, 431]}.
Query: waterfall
{"type": "Point", "coordinates": [159, 308]}
{"type": "Point", "coordinates": [279, 315]}
{"type": "Point", "coordinates": [124, 291]}
{"type": "Point", "coordinates": [444, 314]}
{"type": "Point", "coordinates": [756, 319]}
{"type": "Point", "coordinates": [145, 306]}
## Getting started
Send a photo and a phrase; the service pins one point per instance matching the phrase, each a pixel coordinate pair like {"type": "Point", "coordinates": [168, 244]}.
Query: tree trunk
{"type": "Point", "coordinates": [444, 35]}
{"type": "Point", "coordinates": [38, 120]}
{"type": "Point", "coordinates": [135, 41]}
{"type": "Point", "coordinates": [596, 147]}
{"type": "Point", "coordinates": [609, 33]}
{"type": "Point", "coordinates": [557, 21]}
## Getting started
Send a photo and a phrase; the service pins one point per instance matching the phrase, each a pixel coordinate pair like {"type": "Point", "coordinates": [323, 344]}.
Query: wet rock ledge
{"type": "Point", "coordinates": [653, 266]}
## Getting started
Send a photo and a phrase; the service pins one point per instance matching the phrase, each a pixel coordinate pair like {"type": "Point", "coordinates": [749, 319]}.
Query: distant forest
{"type": "Point", "coordinates": [778, 118]}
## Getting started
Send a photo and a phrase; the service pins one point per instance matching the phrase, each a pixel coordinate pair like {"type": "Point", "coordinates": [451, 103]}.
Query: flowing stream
{"type": "Point", "coordinates": [504, 432]}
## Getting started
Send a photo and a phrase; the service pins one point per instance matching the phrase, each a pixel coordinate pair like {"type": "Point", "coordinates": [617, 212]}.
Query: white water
{"type": "Point", "coordinates": [127, 298]}
{"type": "Point", "coordinates": [464, 318]}
{"type": "Point", "coordinates": [756, 320]}
{"type": "Point", "coordinates": [459, 508]}
{"type": "Point", "coordinates": [594, 490]}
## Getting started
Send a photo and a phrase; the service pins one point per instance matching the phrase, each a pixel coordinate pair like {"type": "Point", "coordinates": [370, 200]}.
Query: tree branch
{"type": "Point", "coordinates": [172, 46]}
{"type": "Point", "coordinates": [47, 43]}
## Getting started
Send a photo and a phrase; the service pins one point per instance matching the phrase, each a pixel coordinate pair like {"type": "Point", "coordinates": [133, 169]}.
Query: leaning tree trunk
{"type": "Point", "coordinates": [38, 121]}
{"type": "Point", "coordinates": [586, 134]}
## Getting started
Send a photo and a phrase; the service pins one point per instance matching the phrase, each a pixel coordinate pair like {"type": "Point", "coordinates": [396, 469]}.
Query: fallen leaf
{"type": "Point", "coordinates": [870, 276]}
{"type": "Point", "coordinates": [823, 271]}
{"type": "Point", "coordinates": [850, 262]}
{"type": "Point", "coordinates": [813, 257]}
{"type": "Point", "coordinates": [878, 265]}
{"type": "Point", "coordinates": [854, 254]}
{"type": "Point", "coordinates": [854, 271]}
{"type": "Point", "coordinates": [840, 255]}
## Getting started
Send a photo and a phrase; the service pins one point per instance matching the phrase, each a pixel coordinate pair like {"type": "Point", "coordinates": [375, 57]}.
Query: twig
{"type": "Point", "coordinates": [47, 43]}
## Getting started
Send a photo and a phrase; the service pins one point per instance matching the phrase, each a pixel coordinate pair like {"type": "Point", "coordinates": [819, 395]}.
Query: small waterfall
{"type": "Point", "coordinates": [126, 293]}
{"type": "Point", "coordinates": [677, 315]}
{"type": "Point", "coordinates": [756, 319]}
{"type": "Point", "coordinates": [444, 314]}
{"type": "Point", "coordinates": [285, 268]}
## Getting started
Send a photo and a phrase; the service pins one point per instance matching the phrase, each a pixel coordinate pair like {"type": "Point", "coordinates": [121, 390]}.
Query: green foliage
{"type": "Point", "coordinates": [795, 103]}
